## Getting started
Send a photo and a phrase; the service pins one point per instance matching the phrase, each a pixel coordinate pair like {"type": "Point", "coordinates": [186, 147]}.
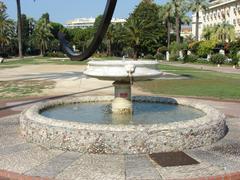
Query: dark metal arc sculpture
{"type": "Point", "coordinates": [102, 29]}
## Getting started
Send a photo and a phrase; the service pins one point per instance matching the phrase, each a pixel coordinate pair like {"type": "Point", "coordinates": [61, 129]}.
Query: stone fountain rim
{"type": "Point", "coordinates": [122, 62]}
{"type": "Point", "coordinates": [212, 116]}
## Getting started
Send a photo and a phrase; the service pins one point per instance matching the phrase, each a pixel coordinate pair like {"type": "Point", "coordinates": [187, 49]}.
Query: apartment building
{"type": "Point", "coordinates": [219, 11]}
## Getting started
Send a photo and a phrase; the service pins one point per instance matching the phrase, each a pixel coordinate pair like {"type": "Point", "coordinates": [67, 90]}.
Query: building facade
{"type": "Point", "coordinates": [219, 11]}
{"type": "Point", "coordinates": [88, 22]}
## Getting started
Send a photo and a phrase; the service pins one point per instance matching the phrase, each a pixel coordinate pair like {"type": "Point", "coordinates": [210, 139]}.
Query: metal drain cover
{"type": "Point", "coordinates": [168, 159]}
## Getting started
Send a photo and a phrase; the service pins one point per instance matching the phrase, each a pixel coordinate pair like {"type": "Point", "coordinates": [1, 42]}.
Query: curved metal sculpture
{"type": "Point", "coordinates": [102, 29]}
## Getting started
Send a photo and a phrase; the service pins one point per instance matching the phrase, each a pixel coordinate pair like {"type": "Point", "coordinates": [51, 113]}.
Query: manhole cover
{"type": "Point", "coordinates": [169, 159]}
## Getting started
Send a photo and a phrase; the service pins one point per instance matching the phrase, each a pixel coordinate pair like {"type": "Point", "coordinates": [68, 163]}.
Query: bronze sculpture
{"type": "Point", "coordinates": [102, 29]}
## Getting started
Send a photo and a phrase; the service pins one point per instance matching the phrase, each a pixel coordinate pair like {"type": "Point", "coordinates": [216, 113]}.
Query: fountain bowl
{"type": "Point", "coordinates": [117, 70]}
{"type": "Point", "coordinates": [122, 139]}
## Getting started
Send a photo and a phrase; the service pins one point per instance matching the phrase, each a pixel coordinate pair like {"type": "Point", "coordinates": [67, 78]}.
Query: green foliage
{"type": "Point", "coordinates": [224, 32]}
{"type": "Point", "coordinates": [7, 31]}
{"type": "Point", "coordinates": [162, 49]}
{"type": "Point", "coordinates": [190, 58]}
{"type": "Point", "coordinates": [149, 56]}
{"type": "Point", "coordinates": [55, 54]}
{"type": "Point", "coordinates": [193, 47]}
{"type": "Point", "coordinates": [206, 47]}
{"type": "Point", "coordinates": [56, 27]}
{"type": "Point", "coordinates": [159, 56]}
{"type": "Point", "coordinates": [218, 58]}
{"type": "Point", "coordinates": [97, 23]}
{"type": "Point", "coordinates": [80, 37]}
{"type": "Point", "coordinates": [173, 57]}
{"type": "Point", "coordinates": [144, 30]}
{"type": "Point", "coordinates": [43, 35]}
{"type": "Point", "coordinates": [176, 47]}
{"type": "Point", "coordinates": [235, 59]}
{"type": "Point", "coordinates": [234, 47]}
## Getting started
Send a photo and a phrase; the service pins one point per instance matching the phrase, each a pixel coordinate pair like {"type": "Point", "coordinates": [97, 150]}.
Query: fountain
{"type": "Point", "coordinates": [120, 124]}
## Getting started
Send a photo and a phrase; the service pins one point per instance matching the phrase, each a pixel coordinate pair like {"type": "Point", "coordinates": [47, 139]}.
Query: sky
{"type": "Point", "coordinates": [64, 10]}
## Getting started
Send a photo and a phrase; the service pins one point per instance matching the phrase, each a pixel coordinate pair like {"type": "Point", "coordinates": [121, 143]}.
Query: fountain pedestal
{"type": "Point", "coordinates": [123, 73]}
{"type": "Point", "coordinates": [122, 103]}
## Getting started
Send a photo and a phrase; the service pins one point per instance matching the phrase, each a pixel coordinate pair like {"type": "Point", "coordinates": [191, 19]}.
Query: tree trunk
{"type": "Point", "coordinates": [135, 53]}
{"type": "Point", "coordinates": [177, 28]}
{"type": "Point", "coordinates": [109, 48]}
{"type": "Point", "coordinates": [41, 50]}
{"type": "Point", "coordinates": [197, 26]}
{"type": "Point", "coordinates": [169, 35]}
{"type": "Point", "coordinates": [19, 28]}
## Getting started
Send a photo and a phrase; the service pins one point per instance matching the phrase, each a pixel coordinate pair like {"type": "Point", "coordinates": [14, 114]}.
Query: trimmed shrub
{"type": "Point", "coordinates": [235, 59]}
{"type": "Point", "coordinates": [190, 58]}
{"type": "Point", "coordinates": [218, 58]}
{"type": "Point", "coordinates": [159, 56]}
{"type": "Point", "coordinates": [176, 47]}
{"type": "Point", "coordinates": [206, 47]}
{"type": "Point", "coordinates": [55, 54]}
{"type": "Point", "coordinates": [173, 57]}
{"type": "Point", "coordinates": [193, 47]}
{"type": "Point", "coordinates": [149, 56]}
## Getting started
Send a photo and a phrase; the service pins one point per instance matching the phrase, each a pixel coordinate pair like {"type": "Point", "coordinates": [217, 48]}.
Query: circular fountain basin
{"type": "Point", "coordinates": [203, 125]}
{"type": "Point", "coordinates": [119, 70]}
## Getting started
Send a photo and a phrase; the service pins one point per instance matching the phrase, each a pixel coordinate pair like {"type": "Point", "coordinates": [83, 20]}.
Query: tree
{"type": "Point", "coordinates": [208, 32]}
{"type": "Point", "coordinates": [166, 13]}
{"type": "Point", "coordinates": [42, 34]}
{"type": "Point", "coordinates": [179, 7]}
{"type": "Point", "coordinates": [225, 32]}
{"type": "Point", "coordinates": [2, 7]}
{"type": "Point", "coordinates": [109, 36]}
{"type": "Point", "coordinates": [19, 29]}
{"type": "Point", "coordinates": [7, 30]}
{"type": "Point", "coordinates": [196, 6]}
{"type": "Point", "coordinates": [151, 27]}
{"type": "Point", "coordinates": [134, 33]}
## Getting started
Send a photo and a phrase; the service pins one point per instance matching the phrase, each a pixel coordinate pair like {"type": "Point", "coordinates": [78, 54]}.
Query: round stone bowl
{"type": "Point", "coordinates": [122, 139]}
{"type": "Point", "coordinates": [121, 70]}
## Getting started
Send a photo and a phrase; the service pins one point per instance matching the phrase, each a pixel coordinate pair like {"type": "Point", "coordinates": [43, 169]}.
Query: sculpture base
{"type": "Point", "coordinates": [122, 103]}
{"type": "Point", "coordinates": [121, 106]}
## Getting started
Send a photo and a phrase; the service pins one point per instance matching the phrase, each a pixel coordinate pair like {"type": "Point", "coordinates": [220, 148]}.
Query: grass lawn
{"type": "Point", "coordinates": [41, 60]}
{"type": "Point", "coordinates": [18, 89]}
{"type": "Point", "coordinates": [201, 83]}
{"type": "Point", "coordinates": [47, 60]}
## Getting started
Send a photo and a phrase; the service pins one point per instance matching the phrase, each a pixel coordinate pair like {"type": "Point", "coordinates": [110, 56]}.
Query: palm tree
{"type": "Point", "coordinates": [6, 28]}
{"type": "Point", "coordinates": [178, 7]}
{"type": "Point", "coordinates": [225, 32]}
{"type": "Point", "coordinates": [207, 33]}
{"type": "Point", "coordinates": [42, 34]}
{"type": "Point", "coordinates": [2, 7]}
{"type": "Point", "coordinates": [196, 6]}
{"type": "Point", "coordinates": [167, 14]}
{"type": "Point", "coordinates": [19, 25]}
{"type": "Point", "coordinates": [109, 36]}
{"type": "Point", "coordinates": [134, 33]}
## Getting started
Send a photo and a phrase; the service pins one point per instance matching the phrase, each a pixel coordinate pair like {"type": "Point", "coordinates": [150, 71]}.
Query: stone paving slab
{"type": "Point", "coordinates": [7, 150]}
{"type": "Point", "coordinates": [140, 167]}
{"type": "Point", "coordinates": [192, 171]}
{"type": "Point", "coordinates": [23, 161]}
{"type": "Point", "coordinates": [225, 163]}
{"type": "Point", "coordinates": [95, 167]}
{"type": "Point", "coordinates": [54, 166]}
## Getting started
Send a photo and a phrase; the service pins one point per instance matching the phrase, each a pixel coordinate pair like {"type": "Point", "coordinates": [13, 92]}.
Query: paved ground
{"type": "Point", "coordinates": [28, 159]}
{"type": "Point", "coordinates": [18, 156]}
